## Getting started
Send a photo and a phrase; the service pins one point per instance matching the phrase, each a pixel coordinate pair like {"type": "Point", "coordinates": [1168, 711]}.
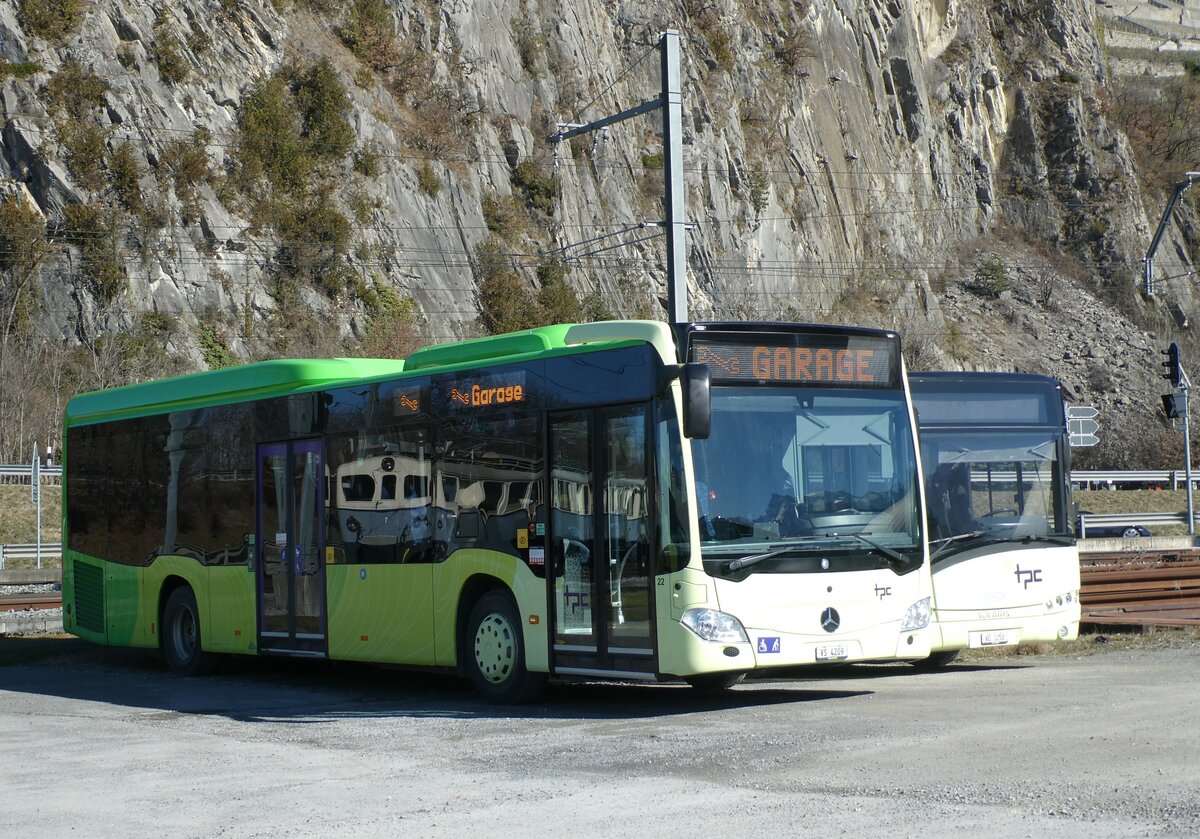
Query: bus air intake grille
{"type": "Point", "coordinates": [89, 597]}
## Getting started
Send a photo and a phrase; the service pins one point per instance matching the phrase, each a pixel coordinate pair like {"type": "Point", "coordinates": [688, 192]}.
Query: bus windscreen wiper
{"type": "Point", "coordinates": [754, 559]}
{"type": "Point", "coordinates": [950, 540]}
{"type": "Point", "coordinates": [1052, 538]}
{"type": "Point", "coordinates": [890, 553]}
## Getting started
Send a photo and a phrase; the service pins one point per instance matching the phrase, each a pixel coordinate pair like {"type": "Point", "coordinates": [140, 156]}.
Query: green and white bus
{"type": "Point", "coordinates": [620, 500]}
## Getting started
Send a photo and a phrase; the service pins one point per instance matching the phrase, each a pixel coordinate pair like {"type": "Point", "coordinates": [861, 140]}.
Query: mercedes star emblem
{"type": "Point", "coordinates": [830, 620]}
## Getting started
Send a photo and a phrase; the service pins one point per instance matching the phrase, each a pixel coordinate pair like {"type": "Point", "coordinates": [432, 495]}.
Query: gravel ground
{"type": "Point", "coordinates": [40, 588]}
{"type": "Point", "coordinates": [1063, 746]}
{"type": "Point", "coordinates": [30, 621]}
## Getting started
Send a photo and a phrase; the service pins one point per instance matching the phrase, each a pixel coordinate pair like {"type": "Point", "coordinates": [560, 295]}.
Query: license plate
{"type": "Point", "coordinates": [999, 638]}
{"type": "Point", "coordinates": [832, 652]}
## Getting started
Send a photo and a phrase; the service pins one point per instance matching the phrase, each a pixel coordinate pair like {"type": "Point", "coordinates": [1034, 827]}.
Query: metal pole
{"type": "Point", "coordinates": [1187, 462]}
{"type": "Point", "coordinates": [673, 197]}
{"type": "Point", "coordinates": [35, 487]}
{"type": "Point", "coordinates": [1148, 259]}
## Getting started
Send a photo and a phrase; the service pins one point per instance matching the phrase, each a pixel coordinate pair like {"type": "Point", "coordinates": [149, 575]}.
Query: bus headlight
{"type": "Point", "coordinates": [712, 625]}
{"type": "Point", "coordinates": [917, 616]}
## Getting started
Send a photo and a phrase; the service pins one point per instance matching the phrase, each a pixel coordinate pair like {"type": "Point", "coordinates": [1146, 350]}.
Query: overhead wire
{"type": "Point", "coordinates": [438, 258]}
{"type": "Point", "coordinates": [615, 82]}
{"type": "Point", "coordinates": [546, 161]}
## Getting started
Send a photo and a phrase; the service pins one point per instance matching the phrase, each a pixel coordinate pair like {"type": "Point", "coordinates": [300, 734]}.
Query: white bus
{"type": "Point", "coordinates": [807, 491]}
{"type": "Point", "coordinates": [996, 465]}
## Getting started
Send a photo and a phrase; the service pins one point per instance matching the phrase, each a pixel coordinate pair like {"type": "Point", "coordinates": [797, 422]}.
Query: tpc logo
{"type": "Point", "coordinates": [1027, 577]}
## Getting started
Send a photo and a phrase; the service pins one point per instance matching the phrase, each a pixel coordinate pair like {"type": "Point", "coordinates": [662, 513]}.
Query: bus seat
{"type": "Point", "coordinates": [470, 525]}
{"type": "Point", "coordinates": [470, 496]}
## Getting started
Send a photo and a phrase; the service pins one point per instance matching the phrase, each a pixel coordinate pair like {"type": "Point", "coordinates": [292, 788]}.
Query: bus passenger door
{"type": "Point", "coordinates": [600, 573]}
{"type": "Point", "coordinates": [289, 548]}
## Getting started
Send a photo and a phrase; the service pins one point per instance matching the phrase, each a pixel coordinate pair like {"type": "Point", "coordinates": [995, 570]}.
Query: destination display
{"type": "Point", "coordinates": [803, 358]}
{"type": "Point", "coordinates": [486, 391]}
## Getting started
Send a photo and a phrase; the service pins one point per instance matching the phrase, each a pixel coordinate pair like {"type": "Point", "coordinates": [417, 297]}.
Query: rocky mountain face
{"type": "Point", "coordinates": [205, 181]}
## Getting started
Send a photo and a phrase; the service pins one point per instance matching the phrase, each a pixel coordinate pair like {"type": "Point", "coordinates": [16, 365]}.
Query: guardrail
{"type": "Point", "coordinates": [24, 470]}
{"type": "Point", "coordinates": [1174, 477]}
{"type": "Point", "coordinates": [1095, 520]}
{"type": "Point", "coordinates": [48, 550]}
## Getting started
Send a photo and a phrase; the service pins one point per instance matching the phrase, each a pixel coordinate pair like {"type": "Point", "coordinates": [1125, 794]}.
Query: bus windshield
{"type": "Point", "coordinates": [997, 485]}
{"type": "Point", "coordinates": [797, 472]}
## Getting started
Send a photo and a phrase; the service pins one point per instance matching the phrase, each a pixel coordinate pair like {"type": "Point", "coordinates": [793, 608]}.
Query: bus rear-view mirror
{"type": "Point", "coordinates": [697, 401]}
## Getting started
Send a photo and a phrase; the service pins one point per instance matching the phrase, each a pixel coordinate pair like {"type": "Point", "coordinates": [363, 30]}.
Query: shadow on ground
{"type": "Point", "coordinates": [259, 689]}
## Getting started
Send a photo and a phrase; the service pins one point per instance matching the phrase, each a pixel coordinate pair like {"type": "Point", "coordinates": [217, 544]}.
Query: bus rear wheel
{"type": "Point", "coordinates": [180, 639]}
{"type": "Point", "coordinates": [495, 652]}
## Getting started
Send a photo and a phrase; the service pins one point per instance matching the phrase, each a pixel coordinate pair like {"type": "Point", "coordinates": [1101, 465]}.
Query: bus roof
{"type": "Point", "coordinates": [287, 376]}
{"type": "Point", "coordinates": [946, 379]}
{"type": "Point", "coordinates": [230, 384]}
{"type": "Point", "coordinates": [488, 349]}
{"type": "Point", "coordinates": [986, 399]}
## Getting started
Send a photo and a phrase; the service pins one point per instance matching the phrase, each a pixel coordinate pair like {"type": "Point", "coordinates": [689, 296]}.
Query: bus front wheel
{"type": "Point", "coordinates": [495, 652]}
{"type": "Point", "coordinates": [181, 636]}
{"type": "Point", "coordinates": [715, 681]}
{"type": "Point", "coordinates": [936, 660]}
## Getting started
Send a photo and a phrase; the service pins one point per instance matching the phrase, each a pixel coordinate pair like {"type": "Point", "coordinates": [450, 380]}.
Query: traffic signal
{"type": "Point", "coordinates": [1173, 405]}
{"type": "Point", "coordinates": [1173, 372]}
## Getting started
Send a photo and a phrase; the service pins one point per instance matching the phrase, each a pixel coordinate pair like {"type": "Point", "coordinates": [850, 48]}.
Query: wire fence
{"type": "Point", "coordinates": [1081, 478]}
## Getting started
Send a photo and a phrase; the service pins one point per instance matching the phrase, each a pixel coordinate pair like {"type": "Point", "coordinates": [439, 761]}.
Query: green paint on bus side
{"type": "Point", "coordinates": [122, 585]}
{"type": "Point", "coordinates": [380, 613]}
{"type": "Point", "coordinates": [529, 591]}
{"type": "Point", "coordinates": [225, 597]}
{"type": "Point", "coordinates": [133, 595]}
{"type": "Point", "coordinates": [70, 559]}
{"type": "Point", "coordinates": [405, 614]}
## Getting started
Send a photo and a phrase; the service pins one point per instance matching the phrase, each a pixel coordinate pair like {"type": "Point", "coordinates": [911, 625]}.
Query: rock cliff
{"type": "Point", "coordinates": [217, 180]}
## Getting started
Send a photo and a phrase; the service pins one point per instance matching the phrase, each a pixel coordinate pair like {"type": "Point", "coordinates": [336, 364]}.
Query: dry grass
{"type": "Point", "coordinates": [1137, 501]}
{"type": "Point", "coordinates": [18, 515]}
{"type": "Point", "coordinates": [1094, 643]}
{"type": "Point", "coordinates": [1132, 501]}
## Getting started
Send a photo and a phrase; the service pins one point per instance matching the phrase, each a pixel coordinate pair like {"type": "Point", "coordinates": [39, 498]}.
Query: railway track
{"type": "Point", "coordinates": [37, 600]}
{"type": "Point", "coordinates": [1141, 588]}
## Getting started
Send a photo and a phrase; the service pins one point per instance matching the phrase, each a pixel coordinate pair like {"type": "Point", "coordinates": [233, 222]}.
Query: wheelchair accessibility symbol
{"type": "Point", "coordinates": [768, 644]}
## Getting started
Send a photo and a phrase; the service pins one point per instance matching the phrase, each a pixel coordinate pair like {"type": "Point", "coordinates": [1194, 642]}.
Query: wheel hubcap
{"type": "Point", "coordinates": [495, 648]}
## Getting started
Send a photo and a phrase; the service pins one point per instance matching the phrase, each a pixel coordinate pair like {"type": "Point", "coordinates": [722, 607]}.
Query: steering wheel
{"type": "Point", "coordinates": [725, 529]}
{"type": "Point", "coordinates": [843, 502]}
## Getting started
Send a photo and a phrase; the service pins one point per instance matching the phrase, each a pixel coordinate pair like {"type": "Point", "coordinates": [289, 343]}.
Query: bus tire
{"type": "Point", "coordinates": [494, 652]}
{"type": "Point", "coordinates": [715, 681]}
{"type": "Point", "coordinates": [180, 639]}
{"type": "Point", "coordinates": [936, 661]}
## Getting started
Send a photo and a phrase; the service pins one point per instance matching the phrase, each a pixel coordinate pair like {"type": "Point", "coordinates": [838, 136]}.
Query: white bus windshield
{"type": "Point", "coordinates": [808, 469]}
{"type": "Point", "coordinates": [999, 484]}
